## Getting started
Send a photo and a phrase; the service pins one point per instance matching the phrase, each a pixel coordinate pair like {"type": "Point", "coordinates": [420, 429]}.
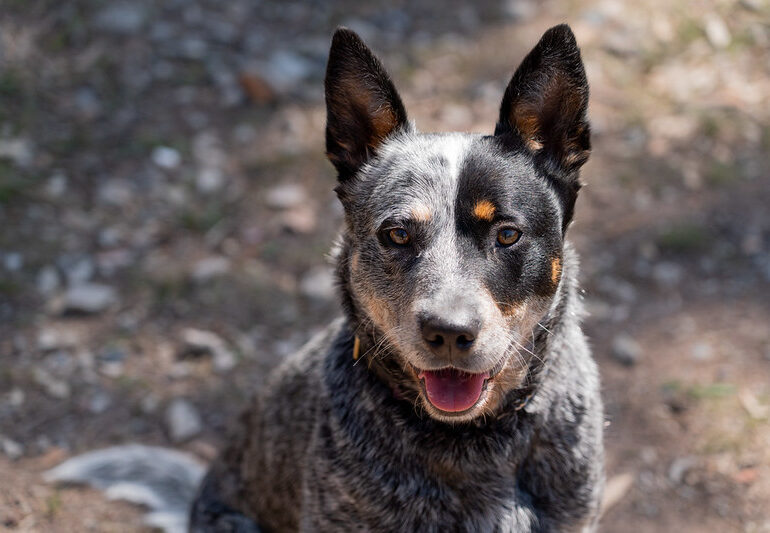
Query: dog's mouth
{"type": "Point", "coordinates": [451, 390]}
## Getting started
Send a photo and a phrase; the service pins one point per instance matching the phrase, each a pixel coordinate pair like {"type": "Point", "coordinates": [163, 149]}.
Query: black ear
{"type": "Point", "coordinates": [546, 101]}
{"type": "Point", "coordinates": [362, 105]}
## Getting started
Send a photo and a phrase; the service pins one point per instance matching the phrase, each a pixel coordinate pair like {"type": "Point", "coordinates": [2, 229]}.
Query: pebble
{"type": "Point", "coordinates": [89, 298]}
{"type": "Point", "coordinates": [12, 449]}
{"type": "Point", "coordinates": [87, 103]}
{"type": "Point", "coordinates": [52, 386]}
{"type": "Point", "coordinates": [667, 274]}
{"type": "Point", "coordinates": [182, 420]}
{"type": "Point", "coordinates": [702, 351]}
{"type": "Point", "coordinates": [16, 397]}
{"type": "Point", "coordinates": [99, 402]}
{"type": "Point", "coordinates": [52, 338]}
{"type": "Point", "coordinates": [13, 261]}
{"type": "Point", "coordinates": [116, 192]}
{"type": "Point", "coordinates": [679, 468]}
{"type": "Point", "coordinates": [318, 283]}
{"type": "Point", "coordinates": [121, 17]}
{"type": "Point", "coordinates": [166, 157]}
{"type": "Point", "coordinates": [716, 30]}
{"type": "Point", "coordinates": [198, 342]}
{"type": "Point", "coordinates": [285, 70]}
{"type": "Point", "coordinates": [209, 179]}
{"type": "Point", "coordinates": [285, 196]}
{"type": "Point", "coordinates": [78, 270]}
{"type": "Point", "coordinates": [56, 185]}
{"type": "Point", "coordinates": [47, 280]}
{"type": "Point", "coordinates": [301, 219]}
{"type": "Point", "coordinates": [18, 150]}
{"type": "Point", "coordinates": [210, 267]}
{"type": "Point", "coordinates": [626, 350]}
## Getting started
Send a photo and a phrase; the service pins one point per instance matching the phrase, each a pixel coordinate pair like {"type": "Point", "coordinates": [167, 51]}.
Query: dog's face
{"type": "Point", "coordinates": [454, 241]}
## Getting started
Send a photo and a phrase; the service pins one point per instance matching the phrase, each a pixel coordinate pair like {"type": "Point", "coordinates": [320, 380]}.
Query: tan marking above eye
{"type": "Point", "coordinates": [484, 210]}
{"type": "Point", "coordinates": [421, 212]}
{"type": "Point", "coordinates": [555, 270]}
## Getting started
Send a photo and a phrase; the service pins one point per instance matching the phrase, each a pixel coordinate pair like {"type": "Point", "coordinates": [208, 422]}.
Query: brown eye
{"type": "Point", "coordinates": [399, 236]}
{"type": "Point", "coordinates": [508, 236]}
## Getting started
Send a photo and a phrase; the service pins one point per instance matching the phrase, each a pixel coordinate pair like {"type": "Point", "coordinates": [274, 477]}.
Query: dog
{"type": "Point", "coordinates": [457, 392]}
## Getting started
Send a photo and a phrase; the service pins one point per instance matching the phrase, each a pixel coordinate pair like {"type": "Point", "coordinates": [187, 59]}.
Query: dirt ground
{"type": "Point", "coordinates": [166, 208]}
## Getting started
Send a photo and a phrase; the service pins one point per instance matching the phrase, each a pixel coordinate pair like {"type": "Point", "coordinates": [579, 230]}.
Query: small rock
{"type": "Point", "coordinates": [56, 185]}
{"type": "Point", "coordinates": [667, 274]}
{"type": "Point", "coordinates": [16, 397]}
{"type": "Point", "coordinates": [52, 338]}
{"type": "Point", "coordinates": [149, 404]}
{"type": "Point", "coordinates": [210, 267]}
{"type": "Point", "coordinates": [679, 468]}
{"type": "Point", "coordinates": [183, 420]}
{"type": "Point", "coordinates": [112, 369]}
{"type": "Point", "coordinates": [55, 388]}
{"type": "Point", "coordinates": [112, 354]}
{"type": "Point", "coordinates": [13, 261]}
{"type": "Point", "coordinates": [12, 449]}
{"type": "Point", "coordinates": [87, 102]}
{"type": "Point", "coordinates": [89, 298]}
{"type": "Point", "coordinates": [116, 192]}
{"type": "Point", "coordinates": [520, 10]}
{"type": "Point", "coordinates": [18, 150]}
{"type": "Point", "coordinates": [648, 455]}
{"type": "Point", "coordinates": [286, 69]}
{"type": "Point", "coordinates": [301, 219]}
{"type": "Point", "coordinates": [285, 196]}
{"type": "Point", "coordinates": [626, 350]}
{"type": "Point", "coordinates": [47, 280]}
{"type": "Point", "coordinates": [209, 179]}
{"type": "Point", "coordinates": [166, 157]}
{"type": "Point", "coordinates": [716, 30]}
{"type": "Point", "coordinates": [99, 402]}
{"type": "Point", "coordinates": [77, 269]}
{"type": "Point", "coordinates": [121, 17]}
{"type": "Point", "coordinates": [318, 283]}
{"type": "Point", "coordinates": [200, 342]}
{"type": "Point", "coordinates": [702, 351]}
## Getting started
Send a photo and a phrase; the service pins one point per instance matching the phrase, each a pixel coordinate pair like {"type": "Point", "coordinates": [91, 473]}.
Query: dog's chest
{"type": "Point", "coordinates": [401, 480]}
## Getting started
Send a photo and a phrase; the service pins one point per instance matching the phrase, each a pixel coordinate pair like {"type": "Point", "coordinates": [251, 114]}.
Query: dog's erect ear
{"type": "Point", "coordinates": [546, 102]}
{"type": "Point", "coordinates": [362, 105]}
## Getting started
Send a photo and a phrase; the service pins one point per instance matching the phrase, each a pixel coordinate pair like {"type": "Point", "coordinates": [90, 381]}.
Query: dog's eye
{"type": "Point", "coordinates": [399, 236]}
{"type": "Point", "coordinates": [508, 236]}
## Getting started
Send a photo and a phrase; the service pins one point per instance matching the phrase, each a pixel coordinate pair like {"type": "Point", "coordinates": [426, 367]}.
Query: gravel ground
{"type": "Point", "coordinates": [166, 208]}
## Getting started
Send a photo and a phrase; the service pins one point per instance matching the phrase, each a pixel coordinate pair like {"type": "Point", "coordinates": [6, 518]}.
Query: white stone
{"type": "Point", "coordinates": [318, 283]}
{"type": "Point", "coordinates": [89, 298]}
{"type": "Point", "coordinates": [285, 196]}
{"type": "Point", "coordinates": [183, 420]}
{"type": "Point", "coordinates": [716, 30]}
{"type": "Point", "coordinates": [166, 157]}
{"type": "Point", "coordinates": [12, 449]}
{"type": "Point", "coordinates": [197, 341]}
{"type": "Point", "coordinates": [47, 280]}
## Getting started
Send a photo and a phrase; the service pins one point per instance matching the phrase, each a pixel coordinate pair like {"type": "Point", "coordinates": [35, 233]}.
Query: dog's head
{"type": "Point", "coordinates": [453, 242]}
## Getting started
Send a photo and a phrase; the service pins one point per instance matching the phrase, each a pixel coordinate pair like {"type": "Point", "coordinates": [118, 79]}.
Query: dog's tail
{"type": "Point", "coordinates": [164, 480]}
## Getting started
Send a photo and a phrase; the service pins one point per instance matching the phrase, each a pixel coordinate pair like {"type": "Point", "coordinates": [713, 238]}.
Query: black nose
{"type": "Point", "coordinates": [446, 338]}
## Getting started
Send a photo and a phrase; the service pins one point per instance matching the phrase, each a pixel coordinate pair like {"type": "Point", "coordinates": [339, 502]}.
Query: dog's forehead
{"type": "Point", "coordinates": [421, 176]}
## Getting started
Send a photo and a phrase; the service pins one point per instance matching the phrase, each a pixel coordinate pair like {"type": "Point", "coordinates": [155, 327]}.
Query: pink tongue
{"type": "Point", "coordinates": [452, 390]}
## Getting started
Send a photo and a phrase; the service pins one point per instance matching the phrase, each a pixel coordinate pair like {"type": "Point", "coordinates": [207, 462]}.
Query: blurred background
{"type": "Point", "coordinates": [166, 210]}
